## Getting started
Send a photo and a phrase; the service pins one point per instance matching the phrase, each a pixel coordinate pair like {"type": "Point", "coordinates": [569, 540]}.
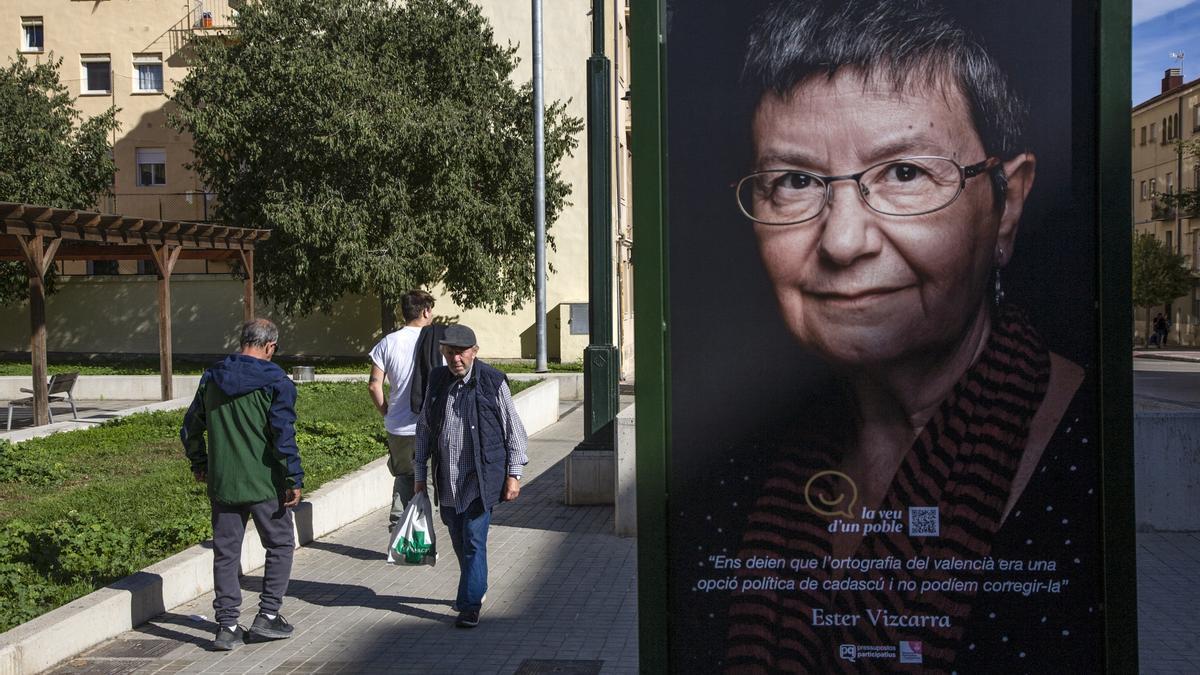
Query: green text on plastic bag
{"type": "Point", "coordinates": [412, 549]}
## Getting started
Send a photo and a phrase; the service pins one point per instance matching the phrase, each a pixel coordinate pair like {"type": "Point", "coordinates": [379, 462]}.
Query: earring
{"type": "Point", "coordinates": [999, 290]}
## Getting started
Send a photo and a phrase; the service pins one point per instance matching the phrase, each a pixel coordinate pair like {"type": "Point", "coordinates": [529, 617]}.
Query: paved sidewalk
{"type": "Point", "coordinates": [562, 595]}
{"type": "Point", "coordinates": [1168, 586]}
{"type": "Point", "coordinates": [89, 411]}
{"type": "Point", "coordinates": [1168, 354]}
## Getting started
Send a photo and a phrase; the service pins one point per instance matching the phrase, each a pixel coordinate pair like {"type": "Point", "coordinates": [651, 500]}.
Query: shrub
{"type": "Point", "coordinates": [17, 466]}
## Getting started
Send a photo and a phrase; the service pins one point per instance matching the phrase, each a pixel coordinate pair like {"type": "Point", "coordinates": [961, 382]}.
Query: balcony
{"type": "Point", "coordinates": [204, 18]}
{"type": "Point", "coordinates": [1161, 211]}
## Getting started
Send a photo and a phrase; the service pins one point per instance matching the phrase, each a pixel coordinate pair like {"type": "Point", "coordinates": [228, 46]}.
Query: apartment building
{"type": "Point", "coordinates": [129, 54]}
{"type": "Point", "coordinates": [1159, 167]}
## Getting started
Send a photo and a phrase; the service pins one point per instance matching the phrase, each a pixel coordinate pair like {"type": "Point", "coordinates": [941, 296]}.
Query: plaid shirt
{"type": "Point", "coordinates": [459, 486]}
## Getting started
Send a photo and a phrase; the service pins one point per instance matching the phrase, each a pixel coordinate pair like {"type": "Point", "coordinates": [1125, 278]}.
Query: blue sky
{"type": "Point", "coordinates": [1159, 28]}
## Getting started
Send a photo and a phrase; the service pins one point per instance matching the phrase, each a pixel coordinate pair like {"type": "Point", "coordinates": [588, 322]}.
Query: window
{"type": "Point", "coordinates": [151, 166]}
{"type": "Point", "coordinates": [1196, 118]}
{"type": "Point", "coordinates": [1153, 188]}
{"type": "Point", "coordinates": [33, 37]}
{"type": "Point", "coordinates": [147, 73]}
{"type": "Point", "coordinates": [1170, 184]}
{"type": "Point", "coordinates": [103, 267]}
{"type": "Point", "coordinates": [97, 74]}
{"type": "Point", "coordinates": [1196, 177]}
{"type": "Point", "coordinates": [1143, 135]}
{"type": "Point", "coordinates": [1144, 193]}
{"type": "Point", "coordinates": [1170, 243]}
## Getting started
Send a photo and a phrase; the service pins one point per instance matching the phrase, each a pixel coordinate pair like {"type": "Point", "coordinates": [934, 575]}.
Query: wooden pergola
{"type": "Point", "coordinates": [39, 235]}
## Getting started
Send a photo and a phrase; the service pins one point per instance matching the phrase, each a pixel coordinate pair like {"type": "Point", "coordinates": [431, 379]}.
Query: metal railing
{"type": "Point", "coordinates": [204, 16]}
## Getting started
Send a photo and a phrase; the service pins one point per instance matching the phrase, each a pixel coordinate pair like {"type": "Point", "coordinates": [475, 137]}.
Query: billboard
{"type": "Point", "coordinates": [883, 439]}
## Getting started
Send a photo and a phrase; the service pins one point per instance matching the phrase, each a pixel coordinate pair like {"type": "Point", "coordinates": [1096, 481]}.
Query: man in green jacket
{"type": "Point", "coordinates": [247, 406]}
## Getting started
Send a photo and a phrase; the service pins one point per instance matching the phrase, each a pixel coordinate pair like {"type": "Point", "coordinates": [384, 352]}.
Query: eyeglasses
{"type": "Point", "coordinates": [908, 186]}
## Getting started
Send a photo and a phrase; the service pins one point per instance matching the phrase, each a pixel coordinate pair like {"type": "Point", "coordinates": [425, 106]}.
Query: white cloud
{"type": "Point", "coordinates": [1145, 10]}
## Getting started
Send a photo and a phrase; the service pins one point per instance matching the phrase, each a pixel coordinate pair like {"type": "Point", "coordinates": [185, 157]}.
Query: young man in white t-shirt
{"type": "Point", "coordinates": [395, 357]}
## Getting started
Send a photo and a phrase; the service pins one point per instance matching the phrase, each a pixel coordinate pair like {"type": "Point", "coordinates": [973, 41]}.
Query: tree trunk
{"type": "Point", "coordinates": [387, 313]}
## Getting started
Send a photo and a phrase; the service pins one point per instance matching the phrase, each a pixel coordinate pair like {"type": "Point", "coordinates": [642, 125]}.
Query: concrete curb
{"type": "Point", "coordinates": [62, 633]}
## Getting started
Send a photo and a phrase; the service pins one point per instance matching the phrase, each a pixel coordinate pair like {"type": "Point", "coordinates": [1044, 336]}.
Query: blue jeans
{"type": "Point", "coordinates": [468, 534]}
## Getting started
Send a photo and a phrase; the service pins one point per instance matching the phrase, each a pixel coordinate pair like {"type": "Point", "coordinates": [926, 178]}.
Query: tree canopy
{"type": "Point", "coordinates": [1159, 274]}
{"type": "Point", "coordinates": [383, 143]}
{"type": "Point", "coordinates": [49, 155]}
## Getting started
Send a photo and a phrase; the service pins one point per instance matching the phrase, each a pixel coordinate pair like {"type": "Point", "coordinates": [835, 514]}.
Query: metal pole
{"type": "Point", "coordinates": [539, 187]}
{"type": "Point", "coordinates": [600, 363]}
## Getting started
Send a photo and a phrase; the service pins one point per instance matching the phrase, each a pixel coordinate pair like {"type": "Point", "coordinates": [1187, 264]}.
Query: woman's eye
{"type": "Point", "coordinates": [795, 181]}
{"type": "Point", "coordinates": [904, 172]}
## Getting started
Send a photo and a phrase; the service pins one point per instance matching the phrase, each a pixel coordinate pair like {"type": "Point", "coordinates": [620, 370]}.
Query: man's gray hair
{"type": "Point", "coordinates": [894, 41]}
{"type": "Point", "coordinates": [258, 333]}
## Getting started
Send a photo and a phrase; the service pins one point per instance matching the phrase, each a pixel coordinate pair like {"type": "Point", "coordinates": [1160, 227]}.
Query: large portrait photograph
{"type": "Point", "coordinates": [883, 416]}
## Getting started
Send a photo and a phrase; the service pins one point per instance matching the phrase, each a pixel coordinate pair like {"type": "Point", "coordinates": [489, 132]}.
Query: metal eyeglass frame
{"type": "Point", "coordinates": [964, 173]}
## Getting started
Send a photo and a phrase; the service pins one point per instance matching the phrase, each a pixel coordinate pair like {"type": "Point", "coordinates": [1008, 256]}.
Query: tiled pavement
{"type": "Point", "coordinates": [89, 410]}
{"type": "Point", "coordinates": [1168, 586]}
{"type": "Point", "coordinates": [562, 599]}
{"type": "Point", "coordinates": [562, 595]}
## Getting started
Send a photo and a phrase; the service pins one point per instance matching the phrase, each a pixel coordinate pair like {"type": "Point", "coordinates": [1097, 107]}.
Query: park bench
{"type": "Point", "coordinates": [57, 390]}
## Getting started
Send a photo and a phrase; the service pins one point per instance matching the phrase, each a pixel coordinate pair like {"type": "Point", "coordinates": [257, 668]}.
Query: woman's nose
{"type": "Point", "coordinates": [850, 229]}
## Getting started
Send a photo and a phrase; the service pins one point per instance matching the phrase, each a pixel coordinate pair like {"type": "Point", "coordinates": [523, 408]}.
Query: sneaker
{"type": "Point", "coordinates": [468, 619]}
{"type": "Point", "coordinates": [271, 629]}
{"type": "Point", "coordinates": [454, 605]}
{"type": "Point", "coordinates": [228, 638]}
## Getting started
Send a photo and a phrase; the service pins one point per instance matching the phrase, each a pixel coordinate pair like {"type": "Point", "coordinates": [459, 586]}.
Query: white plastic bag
{"type": "Point", "coordinates": [412, 542]}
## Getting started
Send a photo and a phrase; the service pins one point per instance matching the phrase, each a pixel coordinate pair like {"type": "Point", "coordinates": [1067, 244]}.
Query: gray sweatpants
{"type": "Point", "coordinates": [274, 525]}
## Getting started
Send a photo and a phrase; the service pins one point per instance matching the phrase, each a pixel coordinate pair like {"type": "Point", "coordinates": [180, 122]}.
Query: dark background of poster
{"type": "Point", "coordinates": [734, 366]}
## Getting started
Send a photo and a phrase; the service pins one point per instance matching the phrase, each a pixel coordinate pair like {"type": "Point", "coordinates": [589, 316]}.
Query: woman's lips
{"type": "Point", "coordinates": [857, 295]}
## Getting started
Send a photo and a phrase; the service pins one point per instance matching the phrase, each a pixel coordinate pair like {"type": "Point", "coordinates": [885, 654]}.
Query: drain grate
{"type": "Point", "coordinates": [101, 667]}
{"type": "Point", "coordinates": [135, 649]}
{"type": "Point", "coordinates": [561, 666]}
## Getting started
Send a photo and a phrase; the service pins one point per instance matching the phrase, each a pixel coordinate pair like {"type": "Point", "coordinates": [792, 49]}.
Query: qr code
{"type": "Point", "coordinates": [924, 521]}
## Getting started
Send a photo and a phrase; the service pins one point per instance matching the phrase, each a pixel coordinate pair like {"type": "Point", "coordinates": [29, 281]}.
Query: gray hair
{"type": "Point", "coordinates": [258, 333]}
{"type": "Point", "coordinates": [896, 41]}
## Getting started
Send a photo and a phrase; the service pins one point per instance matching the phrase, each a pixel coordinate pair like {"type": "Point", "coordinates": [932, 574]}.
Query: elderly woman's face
{"type": "Point", "coordinates": [856, 285]}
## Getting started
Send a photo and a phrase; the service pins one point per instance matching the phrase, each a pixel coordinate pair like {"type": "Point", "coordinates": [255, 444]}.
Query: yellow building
{"type": "Point", "coordinates": [1159, 168]}
{"type": "Point", "coordinates": [129, 54]}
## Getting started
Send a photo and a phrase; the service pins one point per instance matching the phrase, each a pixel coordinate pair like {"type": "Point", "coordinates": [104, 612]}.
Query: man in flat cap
{"type": "Point", "coordinates": [469, 427]}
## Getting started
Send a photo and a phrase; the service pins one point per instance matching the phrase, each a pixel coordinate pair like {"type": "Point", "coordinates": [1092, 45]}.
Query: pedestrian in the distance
{"type": "Point", "coordinates": [247, 407]}
{"type": "Point", "coordinates": [404, 358]}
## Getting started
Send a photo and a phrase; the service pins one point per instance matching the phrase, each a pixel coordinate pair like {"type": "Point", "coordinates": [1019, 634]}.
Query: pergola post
{"type": "Point", "coordinates": [37, 261]}
{"type": "Point", "coordinates": [248, 283]}
{"type": "Point", "coordinates": [165, 256]}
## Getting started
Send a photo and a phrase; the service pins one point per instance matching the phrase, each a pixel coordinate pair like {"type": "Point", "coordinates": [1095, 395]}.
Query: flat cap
{"type": "Point", "coordinates": [458, 335]}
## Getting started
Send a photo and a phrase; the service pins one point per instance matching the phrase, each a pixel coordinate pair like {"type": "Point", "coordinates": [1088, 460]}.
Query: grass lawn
{"type": "Point", "coordinates": [81, 509]}
{"type": "Point", "coordinates": [180, 366]}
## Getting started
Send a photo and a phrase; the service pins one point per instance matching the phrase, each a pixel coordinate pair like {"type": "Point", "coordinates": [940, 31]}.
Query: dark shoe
{"type": "Point", "coordinates": [270, 629]}
{"type": "Point", "coordinates": [228, 638]}
{"type": "Point", "coordinates": [468, 619]}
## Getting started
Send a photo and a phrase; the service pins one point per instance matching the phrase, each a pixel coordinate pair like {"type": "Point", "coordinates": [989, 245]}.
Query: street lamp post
{"type": "Point", "coordinates": [600, 369]}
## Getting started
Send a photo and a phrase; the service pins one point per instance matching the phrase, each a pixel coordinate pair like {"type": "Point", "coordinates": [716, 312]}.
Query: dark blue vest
{"type": "Point", "coordinates": [482, 420]}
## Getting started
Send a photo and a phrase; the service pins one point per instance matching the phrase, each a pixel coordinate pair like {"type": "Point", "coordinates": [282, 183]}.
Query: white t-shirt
{"type": "Point", "coordinates": [394, 356]}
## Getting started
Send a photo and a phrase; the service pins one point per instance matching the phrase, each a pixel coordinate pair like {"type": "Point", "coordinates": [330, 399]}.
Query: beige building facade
{"type": "Point", "coordinates": [1159, 167]}
{"type": "Point", "coordinates": [129, 54]}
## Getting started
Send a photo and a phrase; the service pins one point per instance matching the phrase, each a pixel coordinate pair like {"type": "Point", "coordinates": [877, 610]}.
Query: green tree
{"type": "Point", "coordinates": [49, 155]}
{"type": "Point", "coordinates": [1159, 274]}
{"type": "Point", "coordinates": [383, 143]}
